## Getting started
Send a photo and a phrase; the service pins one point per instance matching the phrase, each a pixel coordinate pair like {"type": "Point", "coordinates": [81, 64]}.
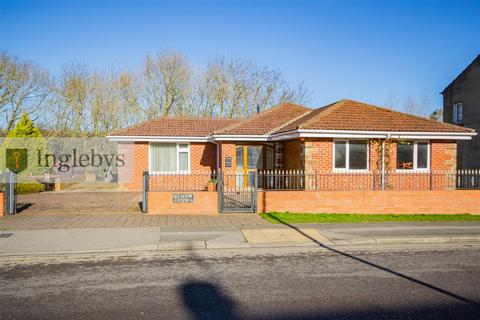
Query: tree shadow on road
{"type": "Point", "coordinates": [205, 299]}
{"type": "Point", "coordinates": [371, 264]}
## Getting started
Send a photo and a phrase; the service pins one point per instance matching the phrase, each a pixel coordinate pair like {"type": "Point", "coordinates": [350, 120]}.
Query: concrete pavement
{"type": "Point", "coordinates": [97, 240]}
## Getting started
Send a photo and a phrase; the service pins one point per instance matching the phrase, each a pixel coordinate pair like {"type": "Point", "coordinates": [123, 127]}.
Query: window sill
{"type": "Point", "coordinates": [364, 171]}
{"type": "Point", "coordinates": [168, 172]}
{"type": "Point", "coordinates": [412, 171]}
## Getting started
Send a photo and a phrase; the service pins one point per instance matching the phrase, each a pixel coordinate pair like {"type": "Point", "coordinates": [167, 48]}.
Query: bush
{"type": "Point", "coordinates": [31, 187]}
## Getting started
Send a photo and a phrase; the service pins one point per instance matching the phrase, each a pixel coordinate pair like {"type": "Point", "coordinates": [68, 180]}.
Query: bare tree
{"type": "Point", "coordinates": [166, 81]}
{"type": "Point", "coordinates": [23, 89]}
{"type": "Point", "coordinates": [69, 103]}
{"type": "Point", "coordinates": [238, 87]}
{"type": "Point", "coordinates": [420, 106]}
{"type": "Point", "coordinates": [82, 102]}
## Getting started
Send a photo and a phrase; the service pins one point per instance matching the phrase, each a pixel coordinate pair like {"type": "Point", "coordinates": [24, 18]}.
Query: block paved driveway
{"type": "Point", "coordinates": [91, 202]}
{"type": "Point", "coordinates": [225, 221]}
{"type": "Point", "coordinates": [50, 210]}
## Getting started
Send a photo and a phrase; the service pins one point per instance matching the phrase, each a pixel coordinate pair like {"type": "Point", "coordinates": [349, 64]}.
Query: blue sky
{"type": "Point", "coordinates": [371, 51]}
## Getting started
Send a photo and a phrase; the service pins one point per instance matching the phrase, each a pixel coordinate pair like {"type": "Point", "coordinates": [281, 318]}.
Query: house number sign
{"type": "Point", "coordinates": [182, 198]}
{"type": "Point", "coordinates": [228, 162]}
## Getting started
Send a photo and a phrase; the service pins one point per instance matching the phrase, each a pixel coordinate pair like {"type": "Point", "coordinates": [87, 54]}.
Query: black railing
{"type": "Point", "coordinates": [192, 181]}
{"type": "Point", "coordinates": [364, 180]}
{"type": "Point", "coordinates": [319, 180]}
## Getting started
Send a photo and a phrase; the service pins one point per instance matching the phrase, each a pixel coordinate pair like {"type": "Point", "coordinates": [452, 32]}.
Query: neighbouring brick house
{"type": "Point", "coordinates": [461, 106]}
{"type": "Point", "coordinates": [343, 137]}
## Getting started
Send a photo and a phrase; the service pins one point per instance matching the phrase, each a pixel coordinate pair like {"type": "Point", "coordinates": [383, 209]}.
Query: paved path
{"type": "Point", "coordinates": [67, 203]}
{"type": "Point", "coordinates": [41, 221]}
{"type": "Point", "coordinates": [381, 284]}
{"type": "Point", "coordinates": [236, 231]}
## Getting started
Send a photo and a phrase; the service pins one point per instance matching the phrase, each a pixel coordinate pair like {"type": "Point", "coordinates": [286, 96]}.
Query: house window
{"type": "Point", "coordinates": [239, 157]}
{"type": "Point", "coordinates": [253, 157]}
{"type": "Point", "coordinates": [458, 113]}
{"type": "Point", "coordinates": [412, 155]}
{"type": "Point", "coordinates": [351, 155]}
{"type": "Point", "coordinates": [270, 162]}
{"type": "Point", "coordinates": [170, 157]}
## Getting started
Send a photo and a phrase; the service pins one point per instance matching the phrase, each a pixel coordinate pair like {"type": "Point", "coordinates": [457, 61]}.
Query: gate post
{"type": "Point", "coordinates": [255, 192]}
{"type": "Point", "coordinates": [219, 189]}
{"type": "Point", "coordinates": [145, 192]}
{"type": "Point", "coordinates": [10, 188]}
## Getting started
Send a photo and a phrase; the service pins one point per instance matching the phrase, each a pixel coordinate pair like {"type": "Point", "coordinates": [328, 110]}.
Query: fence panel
{"type": "Point", "coordinates": [298, 180]}
{"type": "Point", "coordinates": [193, 181]}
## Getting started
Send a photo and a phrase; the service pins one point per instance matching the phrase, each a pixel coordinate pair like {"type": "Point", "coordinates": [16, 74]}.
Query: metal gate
{"type": "Point", "coordinates": [10, 192]}
{"type": "Point", "coordinates": [235, 194]}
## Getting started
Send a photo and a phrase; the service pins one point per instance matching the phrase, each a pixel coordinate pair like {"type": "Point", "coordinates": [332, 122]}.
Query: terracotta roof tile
{"type": "Point", "coordinates": [357, 116]}
{"type": "Point", "coordinates": [267, 121]}
{"type": "Point", "coordinates": [342, 115]}
{"type": "Point", "coordinates": [176, 126]}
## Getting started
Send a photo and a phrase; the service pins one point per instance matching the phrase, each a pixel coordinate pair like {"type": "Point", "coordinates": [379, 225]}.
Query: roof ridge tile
{"type": "Point", "coordinates": [292, 120]}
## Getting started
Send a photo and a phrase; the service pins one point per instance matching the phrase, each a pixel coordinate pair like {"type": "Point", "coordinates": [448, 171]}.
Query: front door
{"type": "Point", "coordinates": [248, 161]}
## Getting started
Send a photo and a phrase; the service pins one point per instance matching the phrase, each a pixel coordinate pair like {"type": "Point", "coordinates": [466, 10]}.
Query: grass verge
{"type": "Point", "coordinates": [276, 217]}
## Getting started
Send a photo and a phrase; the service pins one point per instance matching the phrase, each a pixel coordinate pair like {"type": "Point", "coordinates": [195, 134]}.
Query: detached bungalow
{"type": "Point", "coordinates": [345, 136]}
{"type": "Point", "coordinates": [344, 146]}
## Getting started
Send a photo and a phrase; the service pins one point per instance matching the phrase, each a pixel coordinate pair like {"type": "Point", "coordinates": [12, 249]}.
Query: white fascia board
{"type": "Point", "coordinates": [156, 139]}
{"type": "Point", "coordinates": [294, 134]}
{"type": "Point", "coordinates": [240, 138]}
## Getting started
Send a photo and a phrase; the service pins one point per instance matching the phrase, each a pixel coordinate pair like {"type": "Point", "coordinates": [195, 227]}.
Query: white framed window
{"type": "Point", "coordinates": [413, 156]}
{"type": "Point", "coordinates": [458, 113]}
{"type": "Point", "coordinates": [350, 155]}
{"type": "Point", "coordinates": [169, 157]}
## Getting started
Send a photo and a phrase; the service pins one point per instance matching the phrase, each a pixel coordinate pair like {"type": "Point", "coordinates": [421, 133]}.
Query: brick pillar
{"type": "Point", "coordinates": [443, 155]}
{"type": "Point", "coordinates": [227, 149]}
{"type": "Point", "coordinates": [318, 154]}
{"type": "Point", "coordinates": [136, 162]}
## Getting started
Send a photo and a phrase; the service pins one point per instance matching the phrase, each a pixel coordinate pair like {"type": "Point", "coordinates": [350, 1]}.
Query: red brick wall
{"type": "Point", "coordinates": [227, 149]}
{"type": "Point", "coordinates": [203, 156]}
{"type": "Point", "coordinates": [318, 157]}
{"type": "Point", "coordinates": [443, 155]}
{"type": "Point", "coordinates": [399, 202]}
{"type": "Point", "coordinates": [203, 203]}
{"type": "Point", "coordinates": [202, 159]}
{"type": "Point", "coordinates": [318, 154]}
{"type": "Point", "coordinates": [136, 162]}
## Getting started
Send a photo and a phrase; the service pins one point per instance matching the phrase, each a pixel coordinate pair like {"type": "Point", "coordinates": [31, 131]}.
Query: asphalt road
{"type": "Point", "coordinates": [435, 283]}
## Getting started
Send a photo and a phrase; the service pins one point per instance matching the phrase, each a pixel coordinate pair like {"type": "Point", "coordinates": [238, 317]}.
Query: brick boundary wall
{"type": "Point", "coordinates": [204, 203]}
{"type": "Point", "coordinates": [395, 202]}
{"type": "Point", "coordinates": [2, 204]}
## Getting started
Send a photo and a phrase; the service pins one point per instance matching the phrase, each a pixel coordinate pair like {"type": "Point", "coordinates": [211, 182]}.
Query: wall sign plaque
{"type": "Point", "coordinates": [228, 162]}
{"type": "Point", "coordinates": [182, 198]}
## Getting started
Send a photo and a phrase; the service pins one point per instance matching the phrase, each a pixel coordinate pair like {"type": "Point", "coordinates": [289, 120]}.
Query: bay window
{"type": "Point", "coordinates": [350, 155]}
{"type": "Point", "coordinates": [413, 155]}
{"type": "Point", "coordinates": [169, 157]}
